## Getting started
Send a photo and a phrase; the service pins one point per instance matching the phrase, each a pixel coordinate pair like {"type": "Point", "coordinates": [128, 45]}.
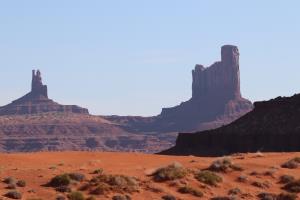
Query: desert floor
{"type": "Point", "coordinates": [37, 169]}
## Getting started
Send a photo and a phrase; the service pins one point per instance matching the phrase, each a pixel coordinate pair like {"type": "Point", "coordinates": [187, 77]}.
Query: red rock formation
{"type": "Point", "coordinates": [272, 126]}
{"type": "Point", "coordinates": [37, 101]}
{"type": "Point", "coordinates": [216, 100]}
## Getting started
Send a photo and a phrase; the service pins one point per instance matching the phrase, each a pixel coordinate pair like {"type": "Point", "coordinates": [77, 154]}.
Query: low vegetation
{"type": "Point", "coordinates": [292, 164]}
{"type": "Point", "coordinates": [190, 190]}
{"type": "Point", "coordinates": [14, 194]}
{"type": "Point", "coordinates": [76, 196]}
{"type": "Point", "coordinates": [121, 197]}
{"type": "Point", "coordinates": [171, 172]}
{"type": "Point", "coordinates": [224, 165]}
{"type": "Point", "coordinates": [208, 177]}
{"type": "Point", "coordinates": [284, 179]}
{"type": "Point", "coordinates": [60, 180]}
{"type": "Point", "coordinates": [293, 186]}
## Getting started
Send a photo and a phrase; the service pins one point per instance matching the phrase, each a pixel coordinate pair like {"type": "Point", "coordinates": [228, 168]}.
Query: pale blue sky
{"type": "Point", "coordinates": [134, 57]}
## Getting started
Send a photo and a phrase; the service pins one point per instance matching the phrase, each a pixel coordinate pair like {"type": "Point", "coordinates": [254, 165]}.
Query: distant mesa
{"type": "Point", "coordinates": [37, 101]}
{"type": "Point", "coordinates": [216, 100]}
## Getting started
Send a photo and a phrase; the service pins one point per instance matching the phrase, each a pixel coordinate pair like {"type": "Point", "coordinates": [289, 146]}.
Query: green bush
{"type": "Point", "coordinates": [208, 177]}
{"type": "Point", "coordinates": [190, 190]}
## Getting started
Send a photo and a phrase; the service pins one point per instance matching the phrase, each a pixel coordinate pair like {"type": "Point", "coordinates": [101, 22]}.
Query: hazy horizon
{"type": "Point", "coordinates": [134, 58]}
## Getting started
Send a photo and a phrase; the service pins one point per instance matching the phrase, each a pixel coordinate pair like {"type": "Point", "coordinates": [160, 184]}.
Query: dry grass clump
{"type": "Point", "coordinates": [284, 179]}
{"type": "Point", "coordinates": [168, 197]}
{"type": "Point", "coordinates": [21, 183]}
{"type": "Point", "coordinates": [224, 165]}
{"type": "Point", "coordinates": [208, 177]}
{"type": "Point", "coordinates": [293, 186]}
{"type": "Point", "coordinates": [282, 196]}
{"type": "Point", "coordinates": [171, 172]}
{"type": "Point", "coordinates": [286, 196]}
{"type": "Point", "coordinates": [76, 196]}
{"type": "Point", "coordinates": [77, 176]}
{"type": "Point", "coordinates": [234, 191]}
{"type": "Point", "coordinates": [263, 185]}
{"type": "Point", "coordinates": [190, 190]}
{"type": "Point", "coordinates": [292, 164]}
{"type": "Point", "coordinates": [10, 180]}
{"type": "Point", "coordinates": [121, 197]}
{"type": "Point", "coordinates": [267, 196]}
{"type": "Point", "coordinates": [60, 180]}
{"type": "Point", "coordinates": [118, 183]}
{"type": "Point", "coordinates": [14, 194]}
{"type": "Point", "coordinates": [223, 198]}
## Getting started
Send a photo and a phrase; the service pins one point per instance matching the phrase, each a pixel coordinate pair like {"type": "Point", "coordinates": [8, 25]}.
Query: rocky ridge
{"type": "Point", "coordinates": [273, 126]}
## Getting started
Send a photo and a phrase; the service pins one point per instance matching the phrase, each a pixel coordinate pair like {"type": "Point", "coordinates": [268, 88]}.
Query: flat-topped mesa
{"type": "Point", "coordinates": [37, 86]}
{"type": "Point", "coordinates": [220, 80]}
{"type": "Point", "coordinates": [37, 101]}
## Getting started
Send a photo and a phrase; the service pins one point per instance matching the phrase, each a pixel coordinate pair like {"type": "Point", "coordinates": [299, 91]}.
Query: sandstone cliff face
{"type": "Point", "coordinates": [216, 100]}
{"type": "Point", "coordinates": [273, 126]}
{"type": "Point", "coordinates": [37, 101]}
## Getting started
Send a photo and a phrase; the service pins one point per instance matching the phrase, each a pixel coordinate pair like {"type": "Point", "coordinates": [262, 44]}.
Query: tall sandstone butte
{"type": "Point", "coordinates": [37, 101]}
{"type": "Point", "coordinates": [216, 100]}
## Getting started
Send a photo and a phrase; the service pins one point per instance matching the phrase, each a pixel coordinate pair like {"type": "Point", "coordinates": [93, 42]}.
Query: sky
{"type": "Point", "coordinates": [135, 57]}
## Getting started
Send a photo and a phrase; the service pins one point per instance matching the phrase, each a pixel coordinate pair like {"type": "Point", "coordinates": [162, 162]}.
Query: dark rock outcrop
{"type": "Point", "coordinates": [37, 101]}
{"type": "Point", "coordinates": [273, 126]}
{"type": "Point", "coordinates": [216, 100]}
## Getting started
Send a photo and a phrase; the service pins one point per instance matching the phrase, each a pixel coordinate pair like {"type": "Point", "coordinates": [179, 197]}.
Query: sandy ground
{"type": "Point", "coordinates": [38, 168]}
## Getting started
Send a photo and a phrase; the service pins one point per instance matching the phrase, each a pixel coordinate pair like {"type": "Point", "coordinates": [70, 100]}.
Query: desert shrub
{"type": "Point", "coordinates": [291, 164]}
{"type": "Point", "coordinates": [263, 185]}
{"type": "Point", "coordinates": [223, 165]}
{"type": "Point", "coordinates": [168, 197]}
{"type": "Point", "coordinates": [121, 197]}
{"type": "Point", "coordinates": [101, 189]}
{"type": "Point", "coordinates": [242, 178]}
{"type": "Point", "coordinates": [208, 177]}
{"type": "Point", "coordinates": [60, 180]}
{"type": "Point", "coordinates": [76, 176]}
{"type": "Point", "coordinates": [269, 173]}
{"type": "Point", "coordinates": [267, 196]}
{"type": "Point", "coordinates": [234, 191]}
{"type": "Point", "coordinates": [286, 196]}
{"type": "Point", "coordinates": [223, 198]}
{"type": "Point", "coordinates": [190, 190]}
{"type": "Point", "coordinates": [63, 189]}
{"type": "Point", "coordinates": [286, 179]}
{"type": "Point", "coordinates": [118, 183]}
{"type": "Point", "coordinates": [293, 186]}
{"type": "Point", "coordinates": [98, 171]}
{"type": "Point", "coordinates": [10, 180]}
{"type": "Point", "coordinates": [21, 183]}
{"type": "Point", "coordinates": [11, 186]}
{"type": "Point", "coordinates": [75, 196]}
{"type": "Point", "coordinates": [14, 194]}
{"type": "Point", "coordinates": [60, 197]}
{"type": "Point", "coordinates": [171, 172]}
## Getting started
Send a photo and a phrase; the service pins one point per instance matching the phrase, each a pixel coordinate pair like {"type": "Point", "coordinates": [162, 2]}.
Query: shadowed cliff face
{"type": "Point", "coordinates": [37, 101]}
{"type": "Point", "coordinates": [216, 100]}
{"type": "Point", "coordinates": [273, 126]}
